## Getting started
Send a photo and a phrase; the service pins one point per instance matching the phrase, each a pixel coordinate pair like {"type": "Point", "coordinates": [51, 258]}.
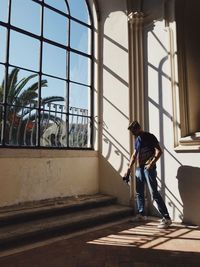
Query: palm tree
{"type": "Point", "coordinates": [20, 112]}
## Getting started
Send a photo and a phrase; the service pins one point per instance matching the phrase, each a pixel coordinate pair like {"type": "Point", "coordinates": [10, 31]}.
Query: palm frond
{"type": "Point", "coordinates": [12, 81]}
{"type": "Point", "coordinates": [34, 86]}
{"type": "Point", "coordinates": [51, 99]}
{"type": "Point", "coordinates": [1, 93]}
{"type": "Point", "coordinates": [26, 98]}
{"type": "Point", "coordinates": [22, 83]}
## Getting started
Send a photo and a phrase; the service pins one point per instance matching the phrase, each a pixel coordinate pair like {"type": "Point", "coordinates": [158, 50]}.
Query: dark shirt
{"type": "Point", "coordinates": [145, 145]}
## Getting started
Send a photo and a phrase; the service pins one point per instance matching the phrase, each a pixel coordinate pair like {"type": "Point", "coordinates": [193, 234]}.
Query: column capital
{"type": "Point", "coordinates": [135, 17]}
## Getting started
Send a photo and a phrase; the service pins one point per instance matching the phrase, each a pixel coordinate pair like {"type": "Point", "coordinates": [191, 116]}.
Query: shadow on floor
{"type": "Point", "coordinates": [122, 245]}
{"type": "Point", "coordinates": [188, 184]}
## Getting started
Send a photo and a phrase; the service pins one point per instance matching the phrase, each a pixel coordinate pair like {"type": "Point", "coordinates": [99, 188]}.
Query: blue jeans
{"type": "Point", "coordinates": [148, 176]}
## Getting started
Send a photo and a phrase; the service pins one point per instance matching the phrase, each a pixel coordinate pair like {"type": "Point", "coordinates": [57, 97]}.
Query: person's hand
{"type": "Point", "coordinates": [148, 166]}
{"type": "Point", "coordinates": [127, 172]}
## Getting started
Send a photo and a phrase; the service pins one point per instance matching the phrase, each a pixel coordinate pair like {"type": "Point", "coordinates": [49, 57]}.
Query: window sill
{"type": "Point", "coordinates": [189, 143]}
{"type": "Point", "coordinates": [187, 148]}
{"type": "Point", "coordinates": [44, 153]}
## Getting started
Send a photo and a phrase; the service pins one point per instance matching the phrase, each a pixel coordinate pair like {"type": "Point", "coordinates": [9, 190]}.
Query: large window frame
{"type": "Point", "coordinates": [78, 114]}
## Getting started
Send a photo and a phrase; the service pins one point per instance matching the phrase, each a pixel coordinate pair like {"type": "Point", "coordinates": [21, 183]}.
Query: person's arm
{"type": "Point", "coordinates": [158, 153]}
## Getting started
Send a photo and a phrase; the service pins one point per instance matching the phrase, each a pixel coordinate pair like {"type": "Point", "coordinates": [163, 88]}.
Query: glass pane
{"type": "Point", "coordinates": [79, 96]}
{"type": "Point", "coordinates": [26, 15]}
{"type": "Point", "coordinates": [54, 61]}
{"type": "Point", "coordinates": [55, 92]}
{"type": "Point", "coordinates": [21, 126]}
{"type": "Point", "coordinates": [79, 131]}
{"type": "Point", "coordinates": [60, 5]}
{"type": "Point", "coordinates": [53, 129]}
{"type": "Point", "coordinates": [1, 123]}
{"type": "Point", "coordinates": [80, 37]}
{"type": "Point", "coordinates": [24, 51]}
{"type": "Point", "coordinates": [79, 10]}
{"type": "Point", "coordinates": [55, 27]}
{"type": "Point", "coordinates": [2, 44]}
{"type": "Point", "coordinates": [2, 76]}
{"type": "Point", "coordinates": [22, 88]}
{"type": "Point", "coordinates": [79, 68]}
{"type": "Point", "coordinates": [4, 10]}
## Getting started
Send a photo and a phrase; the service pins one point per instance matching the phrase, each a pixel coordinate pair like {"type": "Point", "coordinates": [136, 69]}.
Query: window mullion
{"type": "Point", "coordinates": [68, 79]}
{"type": "Point", "coordinates": [3, 137]}
{"type": "Point", "coordinates": [40, 75]}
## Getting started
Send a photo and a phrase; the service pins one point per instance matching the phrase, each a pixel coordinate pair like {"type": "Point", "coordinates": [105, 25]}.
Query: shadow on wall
{"type": "Point", "coordinates": [111, 182]}
{"type": "Point", "coordinates": [189, 184]}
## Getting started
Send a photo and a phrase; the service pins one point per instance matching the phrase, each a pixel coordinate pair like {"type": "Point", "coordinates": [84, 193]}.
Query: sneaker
{"type": "Point", "coordinates": [139, 218]}
{"type": "Point", "coordinates": [165, 223]}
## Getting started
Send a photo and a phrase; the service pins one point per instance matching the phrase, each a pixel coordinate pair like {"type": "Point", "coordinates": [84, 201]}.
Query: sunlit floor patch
{"type": "Point", "coordinates": [148, 236]}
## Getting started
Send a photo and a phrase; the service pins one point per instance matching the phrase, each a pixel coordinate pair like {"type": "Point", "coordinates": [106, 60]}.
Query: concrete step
{"type": "Point", "coordinates": [48, 208]}
{"type": "Point", "coordinates": [56, 224]}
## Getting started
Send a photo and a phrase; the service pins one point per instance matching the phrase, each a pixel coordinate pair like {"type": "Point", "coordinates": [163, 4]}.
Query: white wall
{"type": "Point", "coordinates": [32, 175]}
{"type": "Point", "coordinates": [114, 97]}
{"type": "Point", "coordinates": [178, 172]}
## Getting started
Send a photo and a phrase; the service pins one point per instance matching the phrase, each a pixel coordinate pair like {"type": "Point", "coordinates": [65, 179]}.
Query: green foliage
{"type": "Point", "coordinates": [21, 115]}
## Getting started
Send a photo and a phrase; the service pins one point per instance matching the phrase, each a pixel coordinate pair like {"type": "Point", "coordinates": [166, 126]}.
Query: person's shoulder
{"type": "Point", "coordinates": [151, 136]}
{"type": "Point", "coordinates": [147, 134]}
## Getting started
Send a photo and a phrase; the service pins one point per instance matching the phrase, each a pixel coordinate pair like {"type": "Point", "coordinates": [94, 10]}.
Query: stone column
{"type": "Point", "coordinates": [136, 66]}
{"type": "Point", "coordinates": [136, 79]}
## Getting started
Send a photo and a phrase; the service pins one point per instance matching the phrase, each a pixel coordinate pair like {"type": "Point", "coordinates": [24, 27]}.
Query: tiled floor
{"type": "Point", "coordinates": [122, 245]}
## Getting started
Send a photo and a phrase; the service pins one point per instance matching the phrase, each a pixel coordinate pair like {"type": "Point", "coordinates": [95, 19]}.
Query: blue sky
{"type": "Point", "coordinates": [24, 50]}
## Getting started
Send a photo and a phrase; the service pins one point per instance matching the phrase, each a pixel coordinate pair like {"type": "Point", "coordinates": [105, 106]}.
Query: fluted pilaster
{"type": "Point", "coordinates": [136, 66]}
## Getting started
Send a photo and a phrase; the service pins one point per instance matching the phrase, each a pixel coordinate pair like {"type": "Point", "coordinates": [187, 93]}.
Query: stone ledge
{"type": "Point", "coordinates": [45, 153]}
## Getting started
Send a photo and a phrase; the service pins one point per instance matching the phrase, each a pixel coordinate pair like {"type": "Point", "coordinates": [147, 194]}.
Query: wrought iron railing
{"type": "Point", "coordinates": [49, 126]}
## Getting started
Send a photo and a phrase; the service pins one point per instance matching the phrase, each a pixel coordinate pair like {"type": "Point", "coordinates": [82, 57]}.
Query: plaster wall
{"type": "Point", "coordinates": [114, 98]}
{"type": "Point", "coordinates": [37, 175]}
{"type": "Point", "coordinates": [178, 172]}
{"type": "Point", "coordinates": [34, 175]}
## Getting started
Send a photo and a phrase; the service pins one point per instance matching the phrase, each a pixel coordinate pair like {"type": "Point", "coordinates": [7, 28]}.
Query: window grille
{"type": "Point", "coordinates": [46, 74]}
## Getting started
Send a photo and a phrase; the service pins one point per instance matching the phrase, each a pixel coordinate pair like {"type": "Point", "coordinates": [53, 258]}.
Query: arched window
{"type": "Point", "coordinates": [46, 68]}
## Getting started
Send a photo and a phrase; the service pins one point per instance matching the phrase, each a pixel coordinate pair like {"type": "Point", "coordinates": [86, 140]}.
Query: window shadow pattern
{"type": "Point", "coordinates": [148, 236]}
